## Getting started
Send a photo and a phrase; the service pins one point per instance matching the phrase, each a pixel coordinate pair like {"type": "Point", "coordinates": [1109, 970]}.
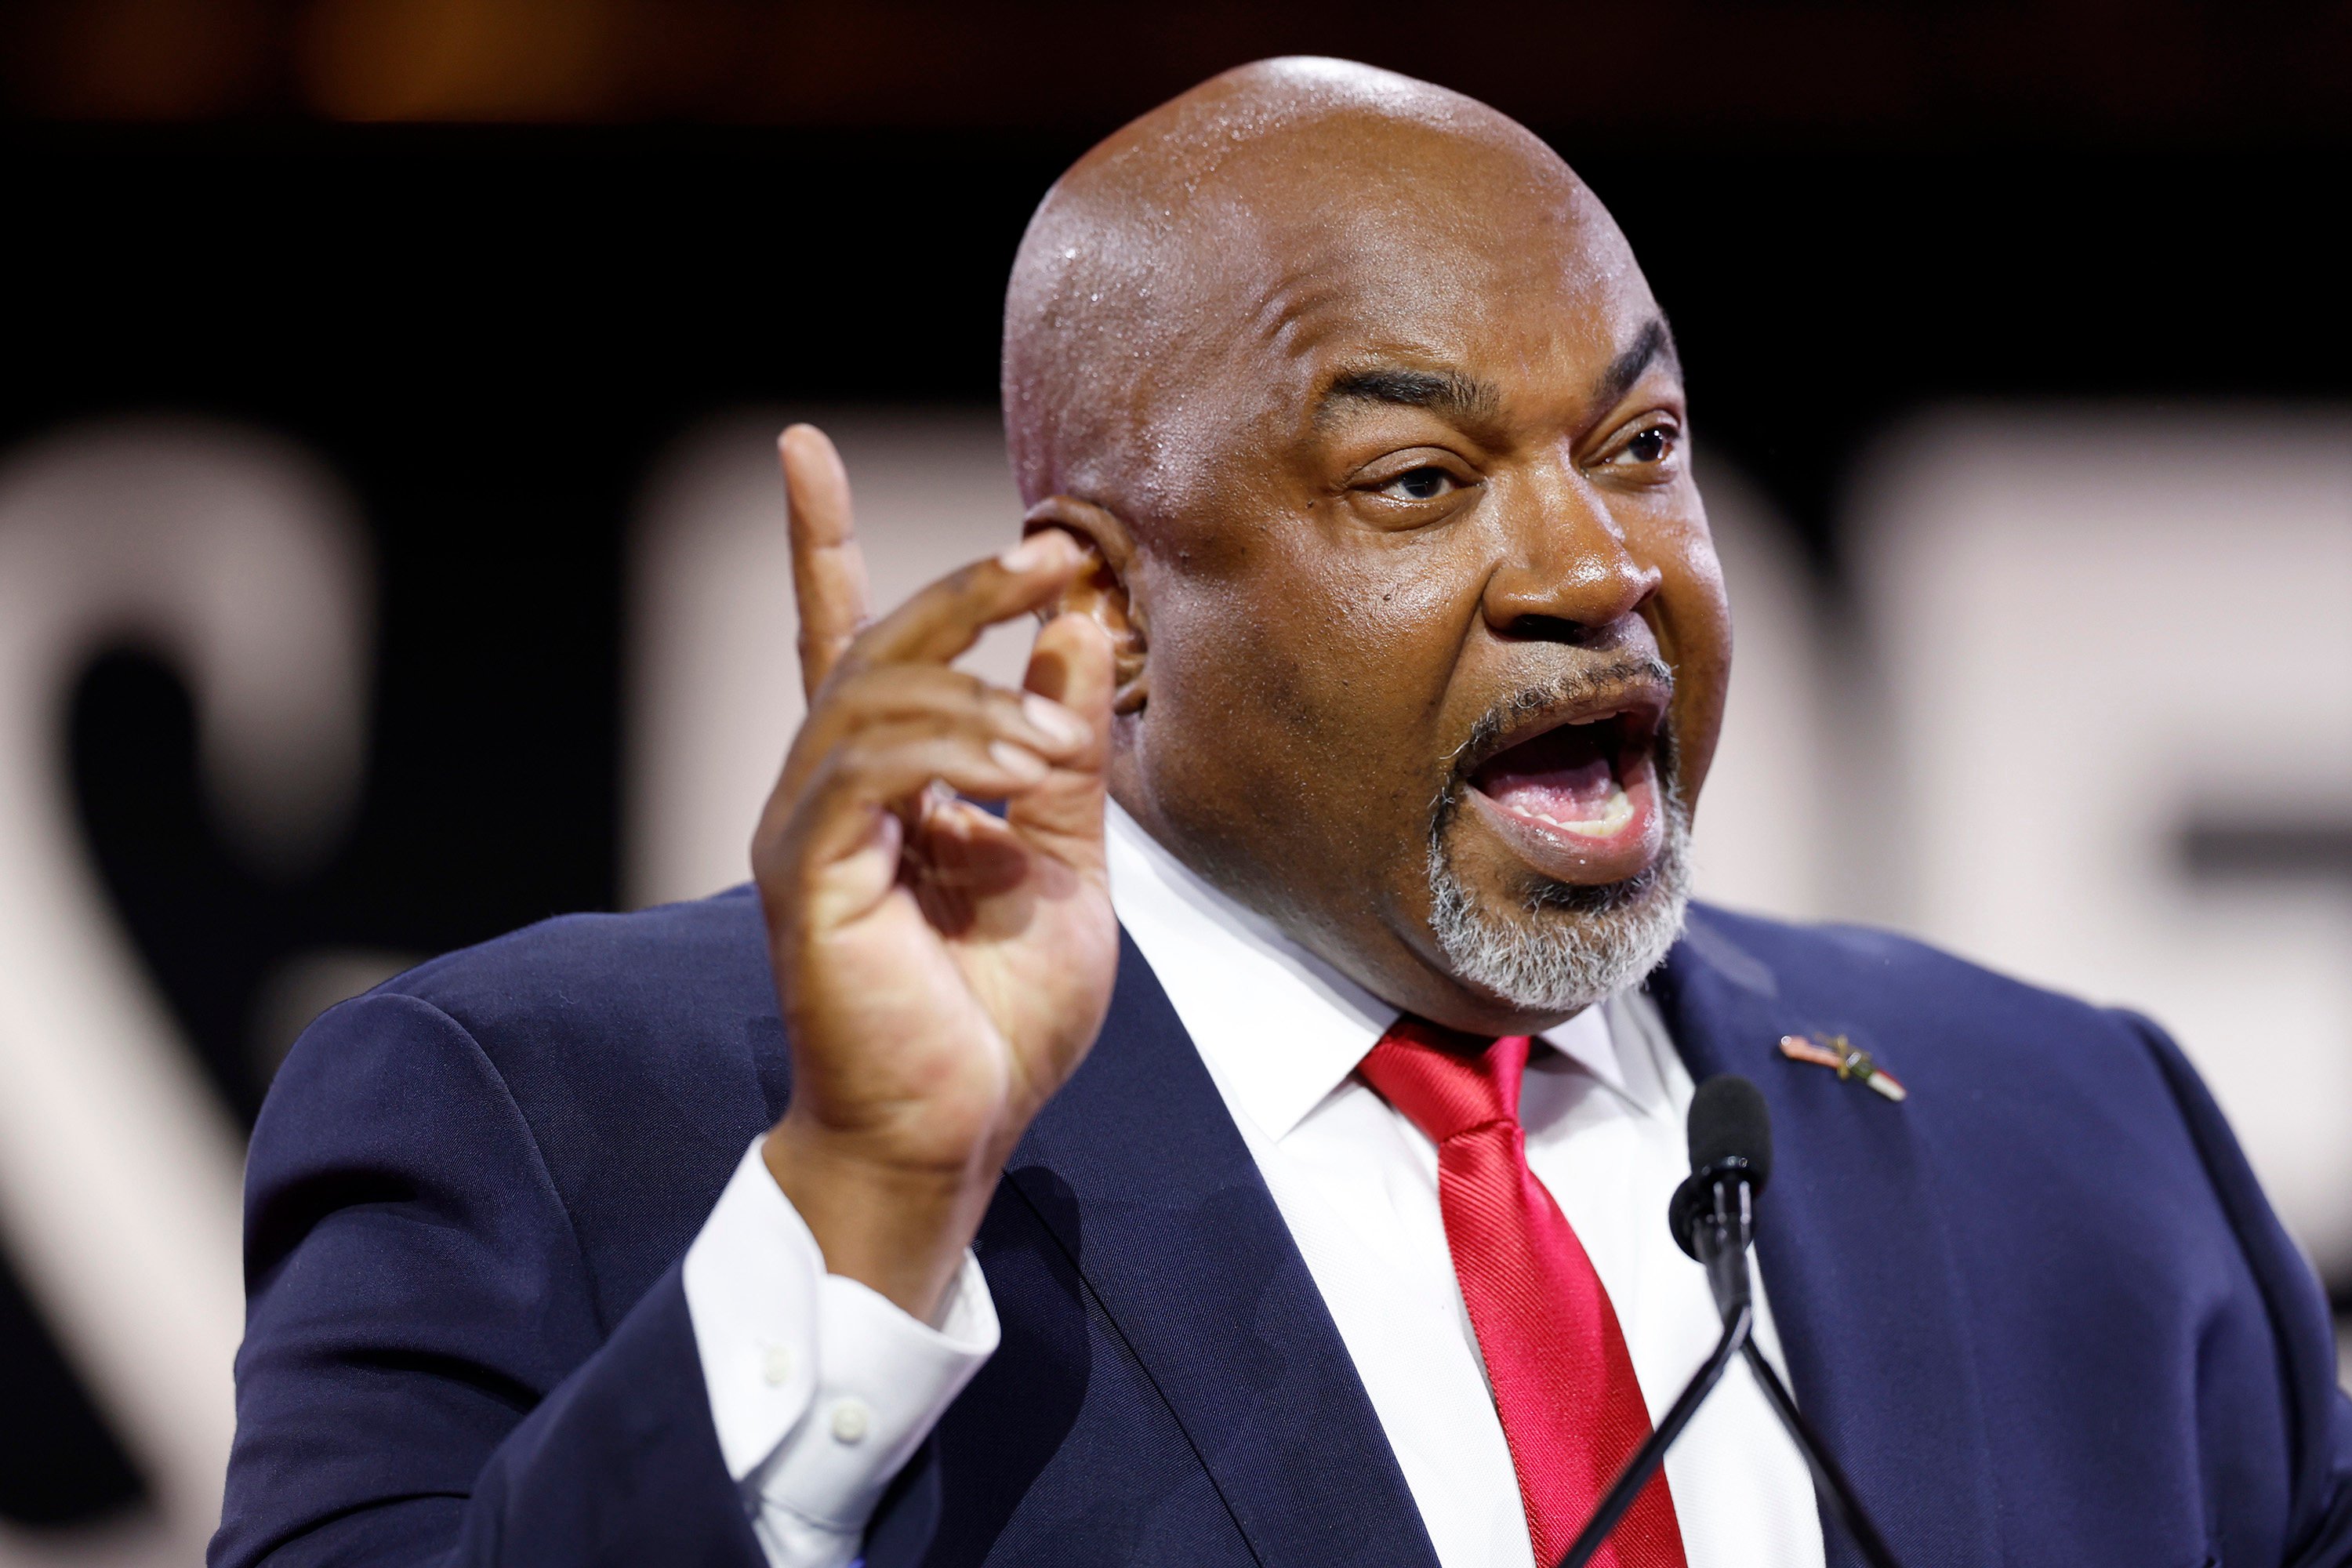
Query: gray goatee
{"type": "Point", "coordinates": [1566, 947]}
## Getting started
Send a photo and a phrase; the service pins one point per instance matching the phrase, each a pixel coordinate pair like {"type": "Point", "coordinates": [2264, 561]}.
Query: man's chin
{"type": "Point", "coordinates": [1545, 944]}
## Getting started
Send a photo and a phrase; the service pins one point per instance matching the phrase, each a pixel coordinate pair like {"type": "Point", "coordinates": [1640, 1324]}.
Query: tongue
{"type": "Point", "coordinates": [1563, 777]}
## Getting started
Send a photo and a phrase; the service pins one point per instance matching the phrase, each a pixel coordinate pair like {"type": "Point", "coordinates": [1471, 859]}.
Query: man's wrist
{"type": "Point", "coordinates": [897, 1231]}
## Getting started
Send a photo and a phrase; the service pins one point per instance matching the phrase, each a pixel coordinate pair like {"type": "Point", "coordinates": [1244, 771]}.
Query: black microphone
{"type": "Point", "coordinates": [1713, 1213]}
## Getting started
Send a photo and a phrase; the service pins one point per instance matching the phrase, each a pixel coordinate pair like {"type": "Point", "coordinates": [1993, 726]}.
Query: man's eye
{"type": "Point", "coordinates": [1652, 445]}
{"type": "Point", "coordinates": [1420, 484]}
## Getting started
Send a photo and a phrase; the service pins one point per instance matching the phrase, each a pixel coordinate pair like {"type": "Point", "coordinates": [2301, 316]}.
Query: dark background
{"type": "Point", "coordinates": [488, 259]}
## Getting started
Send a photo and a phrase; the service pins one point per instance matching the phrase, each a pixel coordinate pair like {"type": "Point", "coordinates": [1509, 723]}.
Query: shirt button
{"type": "Point", "coordinates": [849, 1421]}
{"type": "Point", "coordinates": [778, 1366]}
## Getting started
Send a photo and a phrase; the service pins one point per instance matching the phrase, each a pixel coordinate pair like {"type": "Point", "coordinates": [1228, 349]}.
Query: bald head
{"type": "Point", "coordinates": [1187, 240]}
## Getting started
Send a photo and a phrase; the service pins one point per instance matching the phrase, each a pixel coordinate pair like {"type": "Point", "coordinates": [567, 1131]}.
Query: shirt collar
{"type": "Point", "coordinates": [1280, 1028]}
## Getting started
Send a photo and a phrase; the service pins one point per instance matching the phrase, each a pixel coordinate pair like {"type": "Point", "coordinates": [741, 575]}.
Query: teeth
{"type": "Point", "coordinates": [1614, 815]}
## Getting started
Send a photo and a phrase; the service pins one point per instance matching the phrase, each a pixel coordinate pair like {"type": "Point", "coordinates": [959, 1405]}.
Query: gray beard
{"type": "Point", "coordinates": [1567, 946]}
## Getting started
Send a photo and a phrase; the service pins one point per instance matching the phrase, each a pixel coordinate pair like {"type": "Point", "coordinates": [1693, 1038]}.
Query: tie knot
{"type": "Point", "coordinates": [1446, 1082]}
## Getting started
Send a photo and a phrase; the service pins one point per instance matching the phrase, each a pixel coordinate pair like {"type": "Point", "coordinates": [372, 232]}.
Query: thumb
{"type": "Point", "coordinates": [1070, 663]}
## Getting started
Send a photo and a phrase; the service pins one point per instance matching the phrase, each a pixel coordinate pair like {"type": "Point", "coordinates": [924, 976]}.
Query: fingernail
{"type": "Point", "coordinates": [1053, 719]}
{"type": "Point", "coordinates": [1038, 549]}
{"type": "Point", "coordinates": [1018, 760]}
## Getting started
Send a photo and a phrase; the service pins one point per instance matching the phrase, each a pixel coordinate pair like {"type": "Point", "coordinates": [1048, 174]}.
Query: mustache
{"type": "Point", "coordinates": [1477, 748]}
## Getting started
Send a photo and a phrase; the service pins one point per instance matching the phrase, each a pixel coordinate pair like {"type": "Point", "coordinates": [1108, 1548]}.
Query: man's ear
{"type": "Point", "coordinates": [1102, 591]}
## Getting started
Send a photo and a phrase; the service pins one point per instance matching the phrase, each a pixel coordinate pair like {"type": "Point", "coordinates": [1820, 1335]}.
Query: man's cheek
{"type": "Point", "coordinates": [1700, 657]}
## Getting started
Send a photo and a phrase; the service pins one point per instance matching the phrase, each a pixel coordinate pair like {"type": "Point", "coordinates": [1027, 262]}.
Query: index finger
{"type": "Point", "coordinates": [828, 569]}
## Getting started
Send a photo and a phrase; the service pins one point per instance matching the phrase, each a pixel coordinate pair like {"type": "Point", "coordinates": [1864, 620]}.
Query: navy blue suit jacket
{"type": "Point", "coordinates": [2041, 1310]}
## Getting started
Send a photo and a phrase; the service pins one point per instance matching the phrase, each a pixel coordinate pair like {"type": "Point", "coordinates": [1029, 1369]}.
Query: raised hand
{"type": "Point", "coordinates": [941, 971]}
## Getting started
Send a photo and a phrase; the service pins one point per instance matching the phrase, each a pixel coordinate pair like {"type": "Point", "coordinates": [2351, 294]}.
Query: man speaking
{"type": "Point", "coordinates": [1254, 1145]}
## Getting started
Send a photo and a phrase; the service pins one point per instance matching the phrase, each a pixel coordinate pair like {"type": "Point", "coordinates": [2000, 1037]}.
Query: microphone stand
{"type": "Point", "coordinates": [1653, 1451]}
{"type": "Point", "coordinates": [1723, 1229]}
{"type": "Point", "coordinates": [1830, 1480]}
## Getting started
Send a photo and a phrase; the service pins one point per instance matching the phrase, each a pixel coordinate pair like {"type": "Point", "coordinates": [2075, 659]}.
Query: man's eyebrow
{"type": "Point", "coordinates": [1654, 342]}
{"type": "Point", "coordinates": [1447, 392]}
{"type": "Point", "coordinates": [1468, 399]}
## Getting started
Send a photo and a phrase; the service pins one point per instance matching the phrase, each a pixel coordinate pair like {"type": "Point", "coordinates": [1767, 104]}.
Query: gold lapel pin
{"type": "Point", "coordinates": [1837, 1052]}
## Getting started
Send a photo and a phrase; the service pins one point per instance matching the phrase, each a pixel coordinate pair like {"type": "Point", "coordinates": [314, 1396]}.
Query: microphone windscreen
{"type": "Point", "coordinates": [1728, 1120]}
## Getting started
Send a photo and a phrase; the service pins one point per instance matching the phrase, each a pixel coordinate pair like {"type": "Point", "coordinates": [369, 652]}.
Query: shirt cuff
{"type": "Point", "coordinates": [820, 1388]}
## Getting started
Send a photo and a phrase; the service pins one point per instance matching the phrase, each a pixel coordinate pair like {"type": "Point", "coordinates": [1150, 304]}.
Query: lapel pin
{"type": "Point", "coordinates": [1838, 1053]}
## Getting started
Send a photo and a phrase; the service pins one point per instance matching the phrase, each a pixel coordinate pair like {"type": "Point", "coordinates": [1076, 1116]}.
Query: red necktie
{"type": "Point", "coordinates": [1555, 1357]}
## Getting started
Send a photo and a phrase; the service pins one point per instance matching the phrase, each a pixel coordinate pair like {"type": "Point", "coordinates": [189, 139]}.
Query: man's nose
{"type": "Point", "coordinates": [1564, 568]}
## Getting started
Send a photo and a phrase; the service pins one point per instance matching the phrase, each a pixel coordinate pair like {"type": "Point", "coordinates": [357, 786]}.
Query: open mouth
{"type": "Point", "coordinates": [1578, 797]}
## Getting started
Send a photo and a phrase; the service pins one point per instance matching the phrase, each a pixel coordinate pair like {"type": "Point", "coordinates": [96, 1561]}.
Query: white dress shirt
{"type": "Point", "coordinates": [786, 1349]}
{"type": "Point", "coordinates": [820, 1388]}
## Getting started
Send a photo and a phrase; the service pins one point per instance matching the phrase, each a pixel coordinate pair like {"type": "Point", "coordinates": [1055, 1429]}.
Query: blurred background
{"type": "Point", "coordinates": [390, 552]}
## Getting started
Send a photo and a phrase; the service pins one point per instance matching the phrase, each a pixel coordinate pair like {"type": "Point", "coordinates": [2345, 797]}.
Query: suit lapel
{"type": "Point", "coordinates": [1864, 1288]}
{"type": "Point", "coordinates": [1138, 1168]}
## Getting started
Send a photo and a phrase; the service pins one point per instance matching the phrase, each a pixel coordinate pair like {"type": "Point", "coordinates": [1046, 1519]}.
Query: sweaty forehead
{"type": "Point", "coordinates": [1414, 241]}
{"type": "Point", "coordinates": [1238, 240]}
